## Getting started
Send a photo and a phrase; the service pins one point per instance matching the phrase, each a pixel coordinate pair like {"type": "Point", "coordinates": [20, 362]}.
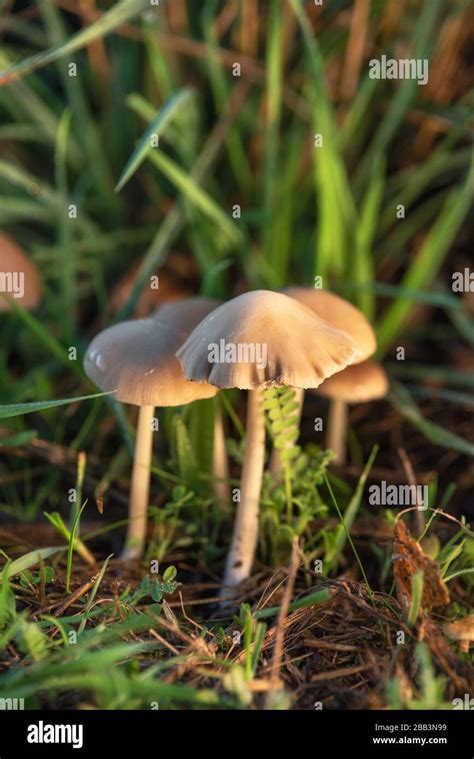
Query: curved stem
{"type": "Point", "coordinates": [140, 486]}
{"type": "Point", "coordinates": [244, 539]}
{"type": "Point", "coordinates": [276, 469]}
{"type": "Point", "coordinates": [220, 461]}
{"type": "Point", "coordinates": [337, 428]}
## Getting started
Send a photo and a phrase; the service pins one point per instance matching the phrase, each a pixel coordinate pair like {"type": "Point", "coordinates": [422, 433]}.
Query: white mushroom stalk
{"type": "Point", "coordinates": [140, 485]}
{"type": "Point", "coordinates": [337, 426]}
{"type": "Point", "coordinates": [245, 534]}
{"type": "Point", "coordinates": [295, 347]}
{"type": "Point", "coordinates": [136, 360]}
{"type": "Point", "coordinates": [359, 383]}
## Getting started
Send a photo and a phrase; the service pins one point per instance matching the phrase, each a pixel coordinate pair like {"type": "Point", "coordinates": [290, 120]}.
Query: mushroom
{"type": "Point", "coordinates": [260, 339]}
{"type": "Point", "coordinates": [341, 314]}
{"type": "Point", "coordinates": [136, 360]}
{"type": "Point", "coordinates": [19, 276]}
{"type": "Point", "coordinates": [185, 314]}
{"type": "Point", "coordinates": [461, 630]}
{"type": "Point", "coordinates": [358, 383]}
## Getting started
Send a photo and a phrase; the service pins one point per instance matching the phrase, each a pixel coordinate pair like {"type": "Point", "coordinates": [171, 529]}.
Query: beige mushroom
{"type": "Point", "coordinates": [257, 340]}
{"type": "Point", "coordinates": [341, 314]}
{"type": "Point", "coordinates": [14, 263]}
{"type": "Point", "coordinates": [136, 360]}
{"type": "Point", "coordinates": [358, 383]}
{"type": "Point", "coordinates": [461, 630]}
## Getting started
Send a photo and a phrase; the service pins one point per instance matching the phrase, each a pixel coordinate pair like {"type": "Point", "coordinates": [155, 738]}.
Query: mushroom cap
{"type": "Point", "coordinates": [277, 341]}
{"type": "Point", "coordinates": [356, 384]}
{"type": "Point", "coordinates": [184, 314]}
{"type": "Point", "coordinates": [14, 259]}
{"type": "Point", "coordinates": [340, 313]}
{"type": "Point", "coordinates": [137, 360]}
{"type": "Point", "coordinates": [461, 629]}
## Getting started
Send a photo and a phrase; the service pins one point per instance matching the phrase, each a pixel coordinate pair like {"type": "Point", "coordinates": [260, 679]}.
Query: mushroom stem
{"type": "Point", "coordinates": [220, 462]}
{"type": "Point", "coordinates": [140, 487]}
{"type": "Point", "coordinates": [244, 539]}
{"type": "Point", "coordinates": [276, 467]}
{"type": "Point", "coordinates": [337, 427]}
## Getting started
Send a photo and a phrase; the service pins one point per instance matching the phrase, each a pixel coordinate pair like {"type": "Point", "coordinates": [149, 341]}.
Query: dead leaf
{"type": "Point", "coordinates": [409, 558]}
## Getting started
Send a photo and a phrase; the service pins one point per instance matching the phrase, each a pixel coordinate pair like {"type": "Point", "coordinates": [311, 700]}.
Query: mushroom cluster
{"type": "Point", "coordinates": [300, 338]}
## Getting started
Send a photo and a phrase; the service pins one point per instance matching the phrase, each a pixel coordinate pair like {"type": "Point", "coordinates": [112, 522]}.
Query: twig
{"type": "Point", "coordinates": [280, 630]}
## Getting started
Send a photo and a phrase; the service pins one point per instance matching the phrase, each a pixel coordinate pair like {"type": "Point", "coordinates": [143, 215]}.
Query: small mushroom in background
{"type": "Point", "coordinates": [20, 272]}
{"type": "Point", "coordinates": [340, 314]}
{"type": "Point", "coordinates": [136, 360]}
{"type": "Point", "coordinates": [358, 383]}
{"type": "Point", "coordinates": [260, 339]}
{"type": "Point", "coordinates": [185, 314]}
{"type": "Point", "coordinates": [462, 631]}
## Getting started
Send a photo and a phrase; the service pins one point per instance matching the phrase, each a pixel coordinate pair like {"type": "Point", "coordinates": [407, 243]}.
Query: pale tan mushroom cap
{"type": "Point", "coordinates": [14, 260]}
{"type": "Point", "coordinates": [137, 360]}
{"type": "Point", "coordinates": [301, 349]}
{"type": "Point", "coordinates": [184, 314]}
{"type": "Point", "coordinates": [461, 629]}
{"type": "Point", "coordinates": [356, 384]}
{"type": "Point", "coordinates": [340, 313]}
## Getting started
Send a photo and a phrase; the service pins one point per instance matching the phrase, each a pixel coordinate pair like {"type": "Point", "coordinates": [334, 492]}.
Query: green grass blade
{"type": "Point", "coordinates": [72, 544]}
{"type": "Point", "coordinates": [109, 21]}
{"type": "Point", "coordinates": [196, 195]}
{"type": "Point", "coordinates": [18, 409]}
{"type": "Point", "coordinates": [417, 583]}
{"type": "Point", "coordinates": [67, 265]}
{"type": "Point", "coordinates": [318, 597]}
{"type": "Point", "coordinates": [273, 116]}
{"type": "Point", "coordinates": [162, 119]}
{"type": "Point", "coordinates": [29, 560]}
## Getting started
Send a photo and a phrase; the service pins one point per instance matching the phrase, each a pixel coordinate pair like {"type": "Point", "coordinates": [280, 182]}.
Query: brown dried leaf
{"type": "Point", "coordinates": [409, 558]}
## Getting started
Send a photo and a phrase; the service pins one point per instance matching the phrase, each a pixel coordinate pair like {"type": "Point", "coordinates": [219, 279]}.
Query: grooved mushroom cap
{"type": "Point", "coordinates": [137, 360]}
{"type": "Point", "coordinates": [461, 629]}
{"type": "Point", "coordinates": [184, 314]}
{"type": "Point", "coordinates": [14, 260]}
{"type": "Point", "coordinates": [301, 349]}
{"type": "Point", "coordinates": [340, 313]}
{"type": "Point", "coordinates": [356, 384]}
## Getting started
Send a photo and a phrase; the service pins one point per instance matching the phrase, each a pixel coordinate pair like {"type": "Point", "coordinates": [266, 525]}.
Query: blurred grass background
{"type": "Point", "coordinates": [83, 87]}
